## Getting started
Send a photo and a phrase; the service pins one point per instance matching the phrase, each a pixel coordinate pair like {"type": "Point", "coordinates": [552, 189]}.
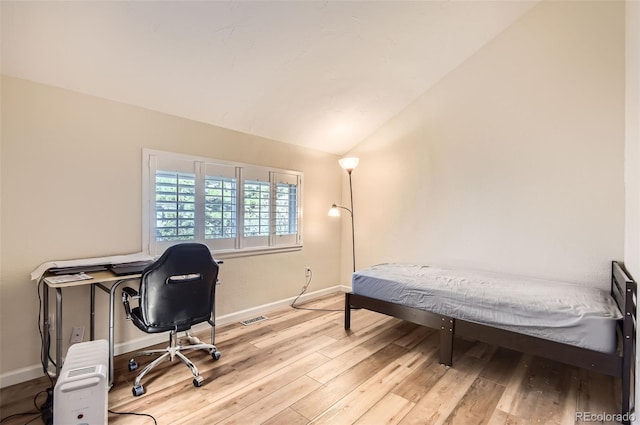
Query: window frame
{"type": "Point", "coordinates": [203, 168]}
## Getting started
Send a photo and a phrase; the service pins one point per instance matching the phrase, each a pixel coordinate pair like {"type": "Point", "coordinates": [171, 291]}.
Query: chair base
{"type": "Point", "coordinates": [172, 351]}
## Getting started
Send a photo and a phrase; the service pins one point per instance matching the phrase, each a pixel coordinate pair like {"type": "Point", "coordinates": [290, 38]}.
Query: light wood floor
{"type": "Point", "coordinates": [301, 367]}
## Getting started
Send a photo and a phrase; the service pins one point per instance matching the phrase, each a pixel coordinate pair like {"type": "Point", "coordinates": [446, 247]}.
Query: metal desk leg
{"type": "Point", "coordinates": [92, 322]}
{"type": "Point", "coordinates": [46, 328]}
{"type": "Point", "coordinates": [58, 331]}
{"type": "Point", "coordinates": [112, 298]}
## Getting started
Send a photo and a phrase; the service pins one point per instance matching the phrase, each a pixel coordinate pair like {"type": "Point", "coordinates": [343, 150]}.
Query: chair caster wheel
{"type": "Point", "coordinates": [137, 390]}
{"type": "Point", "coordinates": [197, 381]}
{"type": "Point", "coordinates": [216, 355]}
{"type": "Point", "coordinates": [133, 365]}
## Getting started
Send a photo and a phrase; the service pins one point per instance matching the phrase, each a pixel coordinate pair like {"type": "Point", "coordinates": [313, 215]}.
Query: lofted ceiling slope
{"type": "Point", "coordinates": [323, 75]}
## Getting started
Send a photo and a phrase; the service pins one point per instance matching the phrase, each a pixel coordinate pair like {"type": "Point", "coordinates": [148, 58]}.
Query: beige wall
{"type": "Point", "coordinates": [71, 188]}
{"type": "Point", "coordinates": [512, 162]}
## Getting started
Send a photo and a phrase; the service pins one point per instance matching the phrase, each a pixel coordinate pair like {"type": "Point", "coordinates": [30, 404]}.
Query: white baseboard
{"type": "Point", "coordinates": [32, 372]}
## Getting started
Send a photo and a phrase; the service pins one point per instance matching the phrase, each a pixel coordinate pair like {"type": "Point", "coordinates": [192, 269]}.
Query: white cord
{"type": "Point", "coordinates": [304, 289]}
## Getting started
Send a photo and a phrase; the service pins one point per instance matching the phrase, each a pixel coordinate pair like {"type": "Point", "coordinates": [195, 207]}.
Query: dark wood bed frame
{"type": "Point", "coordinates": [620, 364]}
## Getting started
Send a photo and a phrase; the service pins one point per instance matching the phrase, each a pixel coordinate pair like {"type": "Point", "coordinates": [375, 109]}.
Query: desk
{"type": "Point", "coordinates": [101, 280]}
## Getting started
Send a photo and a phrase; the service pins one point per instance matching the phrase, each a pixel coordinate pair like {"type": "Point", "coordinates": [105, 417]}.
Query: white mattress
{"type": "Point", "coordinates": [558, 311]}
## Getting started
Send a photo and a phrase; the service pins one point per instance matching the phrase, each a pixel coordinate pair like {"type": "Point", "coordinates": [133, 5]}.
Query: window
{"type": "Point", "coordinates": [230, 207]}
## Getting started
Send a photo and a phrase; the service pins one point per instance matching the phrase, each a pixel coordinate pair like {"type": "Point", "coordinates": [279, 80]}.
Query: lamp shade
{"type": "Point", "coordinates": [349, 163]}
{"type": "Point", "coordinates": [334, 211]}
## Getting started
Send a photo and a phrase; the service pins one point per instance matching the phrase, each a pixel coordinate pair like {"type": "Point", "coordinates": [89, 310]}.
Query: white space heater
{"type": "Point", "coordinates": [81, 392]}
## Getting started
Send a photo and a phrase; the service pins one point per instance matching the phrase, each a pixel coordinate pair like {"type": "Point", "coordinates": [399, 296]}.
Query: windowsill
{"type": "Point", "coordinates": [247, 252]}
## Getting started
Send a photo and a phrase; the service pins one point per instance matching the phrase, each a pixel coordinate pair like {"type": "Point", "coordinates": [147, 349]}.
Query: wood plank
{"type": "Point", "coordinates": [477, 404]}
{"type": "Point", "coordinates": [389, 410]}
{"type": "Point", "coordinates": [377, 326]}
{"type": "Point", "coordinates": [595, 396]}
{"type": "Point", "coordinates": [348, 359]}
{"type": "Point", "coordinates": [509, 398]}
{"type": "Point", "coordinates": [440, 401]}
{"type": "Point", "coordinates": [273, 404]}
{"type": "Point", "coordinates": [426, 375]}
{"type": "Point", "coordinates": [288, 417]}
{"type": "Point", "coordinates": [501, 367]}
{"type": "Point", "coordinates": [499, 417]}
{"type": "Point", "coordinates": [293, 331]}
{"type": "Point", "coordinates": [236, 399]}
{"type": "Point", "coordinates": [351, 407]}
{"type": "Point", "coordinates": [323, 398]}
{"type": "Point", "coordinates": [543, 393]}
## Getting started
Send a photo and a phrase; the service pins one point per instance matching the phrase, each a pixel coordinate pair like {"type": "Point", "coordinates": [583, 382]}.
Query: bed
{"type": "Point", "coordinates": [577, 325]}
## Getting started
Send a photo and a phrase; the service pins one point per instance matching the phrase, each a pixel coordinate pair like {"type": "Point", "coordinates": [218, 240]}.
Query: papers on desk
{"type": "Point", "coordinates": [67, 278]}
{"type": "Point", "coordinates": [114, 259]}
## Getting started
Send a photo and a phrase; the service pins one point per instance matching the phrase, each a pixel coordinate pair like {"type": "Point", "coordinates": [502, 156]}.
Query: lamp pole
{"type": "Point", "coordinates": [353, 230]}
{"type": "Point", "coordinates": [348, 164]}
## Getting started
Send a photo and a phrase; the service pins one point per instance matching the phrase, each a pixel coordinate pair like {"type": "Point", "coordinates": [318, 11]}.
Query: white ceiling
{"type": "Point", "coordinates": [324, 75]}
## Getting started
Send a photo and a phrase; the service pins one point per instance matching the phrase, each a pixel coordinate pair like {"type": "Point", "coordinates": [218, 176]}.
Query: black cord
{"type": "Point", "coordinates": [6, 418]}
{"type": "Point", "coordinates": [43, 348]}
{"type": "Point", "coordinates": [135, 414]}
{"type": "Point", "coordinates": [47, 404]}
{"type": "Point", "coordinates": [44, 411]}
{"type": "Point", "coordinates": [37, 417]}
{"type": "Point", "coordinates": [304, 289]}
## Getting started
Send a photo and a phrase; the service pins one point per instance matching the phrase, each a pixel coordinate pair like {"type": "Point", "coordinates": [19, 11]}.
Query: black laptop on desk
{"type": "Point", "coordinates": [135, 267]}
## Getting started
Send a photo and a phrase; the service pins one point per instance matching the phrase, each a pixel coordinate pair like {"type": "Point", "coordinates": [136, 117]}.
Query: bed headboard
{"type": "Point", "coordinates": [625, 292]}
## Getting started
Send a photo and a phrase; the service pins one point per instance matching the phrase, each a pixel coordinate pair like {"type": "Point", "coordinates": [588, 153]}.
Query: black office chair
{"type": "Point", "coordinates": [176, 292]}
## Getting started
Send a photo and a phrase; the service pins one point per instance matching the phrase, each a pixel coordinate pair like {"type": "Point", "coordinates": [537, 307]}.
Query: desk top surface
{"type": "Point", "coordinates": [105, 276]}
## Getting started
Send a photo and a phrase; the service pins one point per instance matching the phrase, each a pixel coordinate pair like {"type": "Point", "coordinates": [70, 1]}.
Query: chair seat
{"type": "Point", "coordinates": [151, 328]}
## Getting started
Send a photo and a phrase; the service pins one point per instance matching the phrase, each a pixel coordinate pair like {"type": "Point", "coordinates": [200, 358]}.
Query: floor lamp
{"type": "Point", "coordinates": [349, 164]}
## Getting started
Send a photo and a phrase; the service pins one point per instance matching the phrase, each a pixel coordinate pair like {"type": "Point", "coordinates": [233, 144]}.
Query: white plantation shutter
{"type": "Point", "coordinates": [230, 207]}
{"type": "Point", "coordinates": [175, 206]}
{"type": "Point", "coordinates": [171, 202]}
{"type": "Point", "coordinates": [285, 205]}
{"type": "Point", "coordinates": [221, 205]}
{"type": "Point", "coordinates": [256, 207]}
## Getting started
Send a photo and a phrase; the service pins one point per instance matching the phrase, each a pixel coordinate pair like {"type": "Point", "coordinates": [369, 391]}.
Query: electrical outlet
{"type": "Point", "coordinates": [307, 271]}
{"type": "Point", "coordinates": [77, 334]}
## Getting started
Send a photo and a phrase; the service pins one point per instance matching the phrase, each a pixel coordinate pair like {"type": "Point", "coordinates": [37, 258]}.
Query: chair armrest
{"type": "Point", "coordinates": [218, 262]}
{"type": "Point", "coordinates": [126, 294]}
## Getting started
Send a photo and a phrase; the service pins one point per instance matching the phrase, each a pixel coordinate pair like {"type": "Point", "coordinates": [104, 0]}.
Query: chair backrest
{"type": "Point", "coordinates": [178, 290]}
